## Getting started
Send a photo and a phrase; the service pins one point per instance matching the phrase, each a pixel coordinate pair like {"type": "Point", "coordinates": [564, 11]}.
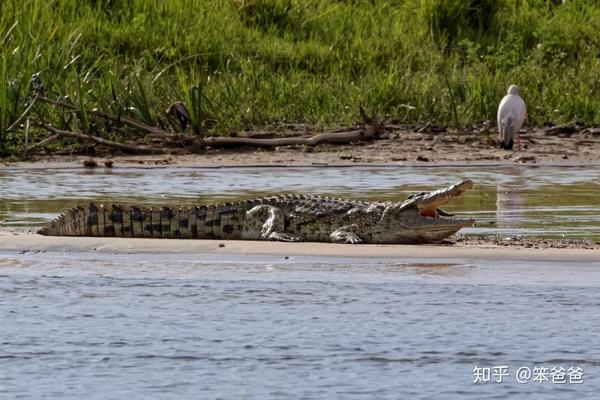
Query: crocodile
{"type": "Point", "coordinates": [288, 218]}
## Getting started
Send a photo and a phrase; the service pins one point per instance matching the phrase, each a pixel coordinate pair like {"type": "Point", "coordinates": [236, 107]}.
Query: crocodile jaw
{"type": "Point", "coordinates": [418, 229]}
{"type": "Point", "coordinates": [438, 229]}
{"type": "Point", "coordinates": [428, 203]}
{"type": "Point", "coordinates": [422, 221]}
{"type": "Point", "coordinates": [435, 225]}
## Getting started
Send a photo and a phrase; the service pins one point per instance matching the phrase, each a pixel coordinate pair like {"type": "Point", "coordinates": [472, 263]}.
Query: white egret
{"type": "Point", "coordinates": [511, 115]}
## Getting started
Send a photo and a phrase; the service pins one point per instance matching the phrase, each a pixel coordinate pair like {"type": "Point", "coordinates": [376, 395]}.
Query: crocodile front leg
{"type": "Point", "coordinates": [346, 234]}
{"type": "Point", "coordinates": [270, 222]}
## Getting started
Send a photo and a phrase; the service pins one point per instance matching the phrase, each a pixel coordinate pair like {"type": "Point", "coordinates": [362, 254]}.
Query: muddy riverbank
{"type": "Point", "coordinates": [400, 147]}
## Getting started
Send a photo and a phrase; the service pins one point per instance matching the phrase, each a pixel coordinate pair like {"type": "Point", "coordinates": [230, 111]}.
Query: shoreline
{"type": "Point", "coordinates": [181, 162]}
{"type": "Point", "coordinates": [31, 242]}
{"type": "Point", "coordinates": [398, 148]}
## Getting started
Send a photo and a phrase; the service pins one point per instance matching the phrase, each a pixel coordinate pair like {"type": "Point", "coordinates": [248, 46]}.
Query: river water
{"type": "Point", "coordinates": [545, 201]}
{"type": "Point", "coordinates": [142, 325]}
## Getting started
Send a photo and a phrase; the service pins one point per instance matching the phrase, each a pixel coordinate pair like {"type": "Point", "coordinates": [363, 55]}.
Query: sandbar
{"type": "Point", "coordinates": [31, 242]}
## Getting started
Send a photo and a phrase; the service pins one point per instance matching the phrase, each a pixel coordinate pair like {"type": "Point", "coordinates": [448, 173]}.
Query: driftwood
{"type": "Point", "coordinates": [356, 135]}
{"type": "Point", "coordinates": [370, 129]}
{"type": "Point", "coordinates": [329, 137]}
{"type": "Point", "coordinates": [369, 132]}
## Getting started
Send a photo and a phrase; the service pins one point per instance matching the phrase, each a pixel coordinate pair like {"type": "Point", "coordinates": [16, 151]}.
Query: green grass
{"type": "Point", "coordinates": [254, 62]}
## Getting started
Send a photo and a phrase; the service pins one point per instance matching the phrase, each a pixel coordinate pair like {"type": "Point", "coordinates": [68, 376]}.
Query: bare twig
{"type": "Point", "coordinates": [101, 141]}
{"type": "Point", "coordinates": [24, 115]}
{"type": "Point", "coordinates": [42, 143]}
{"type": "Point", "coordinates": [126, 120]}
{"type": "Point", "coordinates": [26, 138]}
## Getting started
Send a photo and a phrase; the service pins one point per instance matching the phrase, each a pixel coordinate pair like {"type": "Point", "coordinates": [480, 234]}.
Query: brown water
{"type": "Point", "coordinates": [544, 201]}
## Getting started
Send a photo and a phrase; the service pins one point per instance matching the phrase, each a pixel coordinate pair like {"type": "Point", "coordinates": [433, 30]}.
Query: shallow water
{"type": "Point", "coordinates": [544, 201]}
{"type": "Point", "coordinates": [204, 326]}
{"type": "Point", "coordinates": [102, 325]}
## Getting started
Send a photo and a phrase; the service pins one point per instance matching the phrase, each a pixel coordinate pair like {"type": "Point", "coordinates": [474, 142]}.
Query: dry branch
{"type": "Point", "coordinates": [126, 120]}
{"type": "Point", "coordinates": [42, 143]}
{"type": "Point", "coordinates": [371, 129]}
{"type": "Point", "coordinates": [328, 137]}
{"type": "Point", "coordinates": [25, 113]}
{"type": "Point", "coordinates": [99, 140]}
{"type": "Point", "coordinates": [222, 141]}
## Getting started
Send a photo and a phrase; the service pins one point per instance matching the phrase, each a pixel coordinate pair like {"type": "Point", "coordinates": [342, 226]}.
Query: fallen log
{"type": "Point", "coordinates": [322, 138]}
{"type": "Point", "coordinates": [371, 129]}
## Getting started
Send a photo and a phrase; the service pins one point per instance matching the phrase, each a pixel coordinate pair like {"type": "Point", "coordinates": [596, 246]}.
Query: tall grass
{"type": "Point", "coordinates": [254, 62]}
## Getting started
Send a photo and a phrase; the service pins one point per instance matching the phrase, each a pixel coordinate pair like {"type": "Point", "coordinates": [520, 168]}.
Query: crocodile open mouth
{"type": "Point", "coordinates": [429, 202]}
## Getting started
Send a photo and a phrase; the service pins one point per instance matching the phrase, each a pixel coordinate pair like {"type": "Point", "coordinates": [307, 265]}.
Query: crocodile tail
{"type": "Point", "coordinates": [70, 223]}
{"type": "Point", "coordinates": [202, 222]}
{"type": "Point", "coordinates": [97, 220]}
{"type": "Point", "coordinates": [125, 221]}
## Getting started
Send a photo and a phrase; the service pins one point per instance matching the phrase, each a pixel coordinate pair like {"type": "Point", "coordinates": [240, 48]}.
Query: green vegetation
{"type": "Point", "coordinates": [252, 62]}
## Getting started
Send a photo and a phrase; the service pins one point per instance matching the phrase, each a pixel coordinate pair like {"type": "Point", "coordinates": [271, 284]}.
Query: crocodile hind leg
{"type": "Point", "coordinates": [268, 222]}
{"type": "Point", "coordinates": [346, 234]}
